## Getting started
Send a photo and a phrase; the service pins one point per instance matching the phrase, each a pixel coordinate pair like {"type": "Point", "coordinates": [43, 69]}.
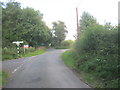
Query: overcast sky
{"type": "Point", "coordinates": [65, 10]}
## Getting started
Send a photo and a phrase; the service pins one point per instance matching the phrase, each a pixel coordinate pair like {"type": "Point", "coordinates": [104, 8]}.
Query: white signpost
{"type": "Point", "coordinates": [18, 43]}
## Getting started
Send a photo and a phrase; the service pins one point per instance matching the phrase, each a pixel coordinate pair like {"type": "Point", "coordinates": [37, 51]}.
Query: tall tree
{"type": "Point", "coordinates": [86, 21]}
{"type": "Point", "coordinates": [24, 24]}
{"type": "Point", "coordinates": [59, 32]}
{"type": "Point", "coordinates": [110, 27]}
{"type": "Point", "coordinates": [35, 30]}
{"type": "Point", "coordinates": [10, 16]}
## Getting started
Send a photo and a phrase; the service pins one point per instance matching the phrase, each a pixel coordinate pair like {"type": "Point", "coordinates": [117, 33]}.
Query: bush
{"type": "Point", "coordinates": [11, 53]}
{"type": "Point", "coordinates": [65, 44]}
{"type": "Point", "coordinates": [97, 51]}
{"type": "Point", "coordinates": [98, 40]}
{"type": "Point", "coordinates": [4, 75]}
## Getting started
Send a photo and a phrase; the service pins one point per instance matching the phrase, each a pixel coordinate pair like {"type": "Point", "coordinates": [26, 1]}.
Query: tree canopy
{"type": "Point", "coordinates": [86, 21]}
{"type": "Point", "coordinates": [59, 32]}
{"type": "Point", "coordinates": [24, 24]}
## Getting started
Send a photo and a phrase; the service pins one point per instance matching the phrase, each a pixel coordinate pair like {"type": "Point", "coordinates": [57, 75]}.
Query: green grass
{"type": "Point", "coordinates": [62, 47]}
{"type": "Point", "coordinates": [7, 55]}
{"type": "Point", "coordinates": [89, 78]}
{"type": "Point", "coordinates": [3, 78]}
{"type": "Point", "coordinates": [68, 60]}
{"type": "Point", "coordinates": [38, 52]}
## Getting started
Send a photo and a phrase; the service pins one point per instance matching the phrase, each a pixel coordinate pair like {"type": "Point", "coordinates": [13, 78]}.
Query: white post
{"type": "Point", "coordinates": [24, 50]}
{"type": "Point", "coordinates": [18, 43]}
{"type": "Point", "coordinates": [18, 51]}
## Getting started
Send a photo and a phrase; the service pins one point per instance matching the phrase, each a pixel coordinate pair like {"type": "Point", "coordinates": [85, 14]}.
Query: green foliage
{"type": "Point", "coordinates": [65, 44]}
{"type": "Point", "coordinates": [86, 21]}
{"type": "Point", "coordinates": [3, 76]}
{"type": "Point", "coordinates": [92, 71]}
{"type": "Point", "coordinates": [38, 52]}
{"type": "Point", "coordinates": [68, 60]}
{"type": "Point", "coordinates": [24, 24]}
{"type": "Point", "coordinates": [98, 51]}
{"type": "Point", "coordinates": [10, 14]}
{"type": "Point", "coordinates": [98, 40]}
{"type": "Point", "coordinates": [11, 53]}
{"type": "Point", "coordinates": [59, 33]}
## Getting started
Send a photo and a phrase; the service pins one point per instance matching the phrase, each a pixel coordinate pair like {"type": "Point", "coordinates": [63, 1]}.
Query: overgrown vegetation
{"type": "Point", "coordinates": [23, 24]}
{"type": "Point", "coordinates": [95, 54]}
{"type": "Point", "coordinates": [11, 53]}
{"type": "Point", "coordinates": [65, 44]}
{"type": "Point", "coordinates": [37, 52]}
{"type": "Point", "coordinates": [59, 33]}
{"type": "Point", "coordinates": [27, 25]}
{"type": "Point", "coordinates": [3, 76]}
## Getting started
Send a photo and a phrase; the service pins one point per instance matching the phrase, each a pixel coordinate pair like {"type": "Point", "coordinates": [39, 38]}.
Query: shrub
{"type": "Point", "coordinates": [11, 53]}
{"type": "Point", "coordinates": [65, 44]}
{"type": "Point", "coordinates": [97, 51]}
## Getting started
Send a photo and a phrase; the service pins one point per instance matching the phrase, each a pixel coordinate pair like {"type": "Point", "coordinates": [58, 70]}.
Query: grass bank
{"type": "Point", "coordinates": [38, 52]}
{"type": "Point", "coordinates": [68, 60]}
{"type": "Point", "coordinates": [3, 78]}
{"type": "Point", "coordinates": [11, 53]}
{"type": "Point", "coordinates": [61, 47]}
{"type": "Point", "coordinates": [91, 77]}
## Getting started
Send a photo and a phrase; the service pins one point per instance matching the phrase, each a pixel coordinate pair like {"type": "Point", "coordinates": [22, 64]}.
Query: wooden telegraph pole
{"type": "Point", "coordinates": [77, 23]}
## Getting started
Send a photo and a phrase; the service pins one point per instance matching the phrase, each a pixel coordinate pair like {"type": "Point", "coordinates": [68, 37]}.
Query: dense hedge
{"type": "Point", "coordinates": [96, 52]}
{"type": "Point", "coordinates": [11, 53]}
{"type": "Point", "coordinates": [65, 44]}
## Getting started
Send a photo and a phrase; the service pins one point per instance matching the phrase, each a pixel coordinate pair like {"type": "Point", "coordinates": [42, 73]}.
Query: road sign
{"type": "Point", "coordinates": [42, 44]}
{"type": "Point", "coordinates": [17, 42]}
{"type": "Point", "coordinates": [26, 46]}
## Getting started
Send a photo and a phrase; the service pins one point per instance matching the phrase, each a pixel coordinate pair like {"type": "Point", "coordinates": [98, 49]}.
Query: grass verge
{"type": "Point", "coordinates": [88, 78]}
{"type": "Point", "coordinates": [61, 47]}
{"type": "Point", "coordinates": [9, 56]}
{"type": "Point", "coordinates": [38, 52]}
{"type": "Point", "coordinates": [68, 60]}
{"type": "Point", "coordinates": [3, 78]}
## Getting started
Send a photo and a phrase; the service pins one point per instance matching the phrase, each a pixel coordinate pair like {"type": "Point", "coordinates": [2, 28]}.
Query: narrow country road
{"type": "Point", "coordinates": [42, 71]}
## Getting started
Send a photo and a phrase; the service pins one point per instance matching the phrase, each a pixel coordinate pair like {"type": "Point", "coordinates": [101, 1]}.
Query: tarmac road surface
{"type": "Point", "coordinates": [42, 71]}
